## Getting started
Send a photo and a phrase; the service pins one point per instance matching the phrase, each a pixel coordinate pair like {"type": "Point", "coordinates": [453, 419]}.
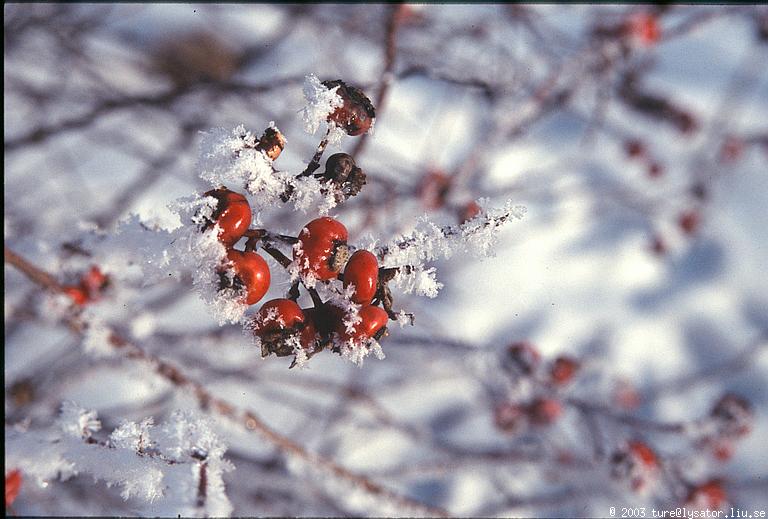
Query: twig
{"type": "Point", "coordinates": [243, 417]}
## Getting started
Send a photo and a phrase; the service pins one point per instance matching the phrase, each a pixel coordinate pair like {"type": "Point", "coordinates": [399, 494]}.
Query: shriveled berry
{"type": "Point", "coordinates": [232, 214]}
{"type": "Point", "coordinates": [362, 272]}
{"type": "Point", "coordinates": [272, 143]}
{"type": "Point", "coordinates": [356, 114]}
{"type": "Point", "coordinates": [322, 249]}
{"type": "Point", "coordinates": [340, 169]}
{"type": "Point", "coordinates": [251, 274]}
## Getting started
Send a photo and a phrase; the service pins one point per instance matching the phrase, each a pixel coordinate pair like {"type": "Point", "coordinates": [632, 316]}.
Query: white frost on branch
{"type": "Point", "coordinates": [428, 242]}
{"type": "Point", "coordinates": [321, 102]}
{"type": "Point", "coordinates": [161, 466]}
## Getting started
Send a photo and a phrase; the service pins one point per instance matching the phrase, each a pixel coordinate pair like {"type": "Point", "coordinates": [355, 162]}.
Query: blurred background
{"type": "Point", "coordinates": [636, 137]}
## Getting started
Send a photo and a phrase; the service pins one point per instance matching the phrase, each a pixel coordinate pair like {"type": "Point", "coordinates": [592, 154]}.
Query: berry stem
{"type": "Point", "coordinates": [314, 164]}
{"type": "Point", "coordinates": [34, 273]}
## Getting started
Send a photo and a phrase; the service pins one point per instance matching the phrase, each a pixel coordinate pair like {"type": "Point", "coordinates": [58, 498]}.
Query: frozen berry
{"type": "Point", "coordinates": [356, 114]}
{"type": "Point", "coordinates": [362, 272]}
{"type": "Point", "coordinates": [322, 249]}
{"type": "Point", "coordinates": [251, 275]}
{"type": "Point", "coordinates": [232, 213]}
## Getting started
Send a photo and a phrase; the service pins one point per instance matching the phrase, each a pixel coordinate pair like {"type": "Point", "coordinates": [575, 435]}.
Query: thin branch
{"type": "Point", "coordinates": [244, 417]}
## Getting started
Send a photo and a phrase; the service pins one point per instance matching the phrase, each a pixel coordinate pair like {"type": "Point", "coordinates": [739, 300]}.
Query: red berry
{"type": "Point", "coordinates": [322, 249]}
{"type": "Point", "coordinates": [707, 496]}
{"type": "Point", "coordinates": [509, 417]}
{"type": "Point", "coordinates": [278, 314]}
{"type": "Point", "coordinates": [634, 148]}
{"type": "Point", "coordinates": [372, 325]}
{"type": "Point", "coordinates": [232, 214]}
{"type": "Point", "coordinates": [544, 411]}
{"type": "Point", "coordinates": [94, 282]}
{"type": "Point", "coordinates": [434, 189]}
{"type": "Point", "coordinates": [251, 274]}
{"type": "Point", "coordinates": [643, 453]}
{"type": "Point", "coordinates": [689, 221]}
{"type": "Point", "coordinates": [731, 149]}
{"type": "Point", "coordinates": [13, 481]}
{"type": "Point", "coordinates": [655, 170]}
{"type": "Point", "coordinates": [78, 295]}
{"type": "Point", "coordinates": [645, 27]}
{"type": "Point", "coordinates": [356, 115]}
{"type": "Point", "coordinates": [362, 271]}
{"type": "Point", "coordinates": [563, 370]}
{"type": "Point", "coordinates": [468, 211]}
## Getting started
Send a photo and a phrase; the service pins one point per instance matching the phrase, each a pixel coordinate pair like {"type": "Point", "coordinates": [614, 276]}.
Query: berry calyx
{"type": "Point", "coordinates": [355, 116]}
{"type": "Point", "coordinates": [251, 274]}
{"type": "Point", "coordinates": [322, 249]}
{"type": "Point", "coordinates": [372, 325]}
{"type": "Point", "coordinates": [272, 143]}
{"type": "Point", "coordinates": [232, 214]}
{"type": "Point", "coordinates": [13, 481]}
{"type": "Point", "coordinates": [362, 272]}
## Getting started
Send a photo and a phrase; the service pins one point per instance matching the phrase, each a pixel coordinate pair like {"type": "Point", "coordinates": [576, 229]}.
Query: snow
{"type": "Point", "coordinates": [321, 102]}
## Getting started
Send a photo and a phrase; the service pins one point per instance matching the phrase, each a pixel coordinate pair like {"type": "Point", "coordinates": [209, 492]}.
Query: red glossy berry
{"type": "Point", "coordinates": [563, 370]}
{"type": "Point", "coordinates": [77, 294]}
{"type": "Point", "coordinates": [322, 249]}
{"type": "Point", "coordinates": [232, 214]}
{"type": "Point", "coordinates": [251, 274]}
{"type": "Point", "coordinates": [278, 314]}
{"type": "Point", "coordinates": [544, 411]}
{"type": "Point", "coordinates": [689, 221]}
{"type": "Point", "coordinates": [372, 325]}
{"type": "Point", "coordinates": [13, 481]}
{"type": "Point", "coordinates": [356, 114]}
{"type": "Point", "coordinates": [707, 496]}
{"type": "Point", "coordinates": [362, 272]}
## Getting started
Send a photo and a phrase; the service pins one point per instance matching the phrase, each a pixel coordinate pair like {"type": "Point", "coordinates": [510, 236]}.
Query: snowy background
{"type": "Point", "coordinates": [649, 268]}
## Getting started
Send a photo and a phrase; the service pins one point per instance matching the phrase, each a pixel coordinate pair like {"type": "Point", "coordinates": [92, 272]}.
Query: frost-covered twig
{"type": "Point", "coordinates": [249, 419]}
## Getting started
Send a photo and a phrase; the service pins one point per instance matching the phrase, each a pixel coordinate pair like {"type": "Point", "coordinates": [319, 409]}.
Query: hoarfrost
{"type": "Point", "coordinates": [321, 102]}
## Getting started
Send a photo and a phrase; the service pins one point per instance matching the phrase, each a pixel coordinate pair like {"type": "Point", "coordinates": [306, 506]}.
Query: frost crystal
{"type": "Point", "coordinates": [321, 102]}
{"type": "Point", "coordinates": [76, 421]}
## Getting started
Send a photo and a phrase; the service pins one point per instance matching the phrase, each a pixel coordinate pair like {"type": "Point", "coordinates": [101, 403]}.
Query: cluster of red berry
{"type": "Point", "coordinates": [523, 361]}
{"type": "Point", "coordinates": [90, 287]}
{"type": "Point", "coordinates": [320, 254]}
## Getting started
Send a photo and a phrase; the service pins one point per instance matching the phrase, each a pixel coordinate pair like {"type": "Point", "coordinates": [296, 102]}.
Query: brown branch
{"type": "Point", "coordinates": [385, 80]}
{"type": "Point", "coordinates": [34, 273]}
{"type": "Point", "coordinates": [244, 417]}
